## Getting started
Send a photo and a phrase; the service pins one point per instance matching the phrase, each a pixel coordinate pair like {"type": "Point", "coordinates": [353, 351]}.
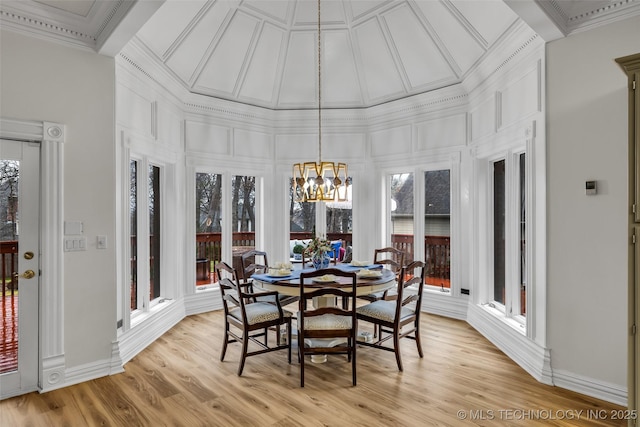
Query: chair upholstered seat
{"type": "Point", "coordinates": [326, 321]}
{"type": "Point", "coordinates": [246, 319]}
{"type": "Point", "coordinates": [250, 265]}
{"type": "Point", "coordinates": [396, 317]}
{"type": "Point", "coordinates": [259, 312]}
{"type": "Point", "coordinates": [383, 310]}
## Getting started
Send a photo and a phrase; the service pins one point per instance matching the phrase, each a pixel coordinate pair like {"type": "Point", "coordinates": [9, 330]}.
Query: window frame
{"type": "Point", "coordinates": [145, 303]}
{"type": "Point", "coordinates": [511, 307]}
{"type": "Point", "coordinates": [145, 153]}
{"type": "Point", "coordinates": [226, 173]}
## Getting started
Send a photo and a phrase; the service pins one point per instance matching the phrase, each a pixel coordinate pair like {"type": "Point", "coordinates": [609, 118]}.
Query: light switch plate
{"type": "Point", "coordinates": [74, 244]}
{"type": "Point", "coordinates": [73, 228]}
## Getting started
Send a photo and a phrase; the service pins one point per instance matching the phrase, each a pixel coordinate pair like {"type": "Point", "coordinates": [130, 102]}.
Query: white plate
{"type": "Point", "coordinates": [369, 274]}
{"type": "Point", "coordinates": [327, 278]}
{"type": "Point", "coordinates": [279, 274]}
{"type": "Point", "coordinates": [360, 263]}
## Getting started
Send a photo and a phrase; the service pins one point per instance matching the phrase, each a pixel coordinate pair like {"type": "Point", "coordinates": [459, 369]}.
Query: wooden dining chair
{"type": "Point", "coordinates": [253, 318]}
{"type": "Point", "coordinates": [255, 262]}
{"type": "Point", "coordinates": [330, 321]}
{"type": "Point", "coordinates": [391, 316]}
{"type": "Point", "coordinates": [390, 258]}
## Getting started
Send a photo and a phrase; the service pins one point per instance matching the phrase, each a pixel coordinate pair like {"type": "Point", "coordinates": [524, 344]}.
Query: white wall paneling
{"type": "Point", "coordinates": [390, 142]}
{"type": "Point", "coordinates": [207, 138]}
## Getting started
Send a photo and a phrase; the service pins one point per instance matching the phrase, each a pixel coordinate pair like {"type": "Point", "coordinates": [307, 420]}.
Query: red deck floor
{"type": "Point", "coordinates": [9, 334]}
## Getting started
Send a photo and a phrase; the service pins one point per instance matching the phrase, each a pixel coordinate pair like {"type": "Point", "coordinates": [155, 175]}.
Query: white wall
{"type": "Point", "coordinates": [587, 239]}
{"type": "Point", "coordinates": [48, 82]}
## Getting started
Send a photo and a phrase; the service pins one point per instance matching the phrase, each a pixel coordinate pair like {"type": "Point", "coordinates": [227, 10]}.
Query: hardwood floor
{"type": "Point", "coordinates": [180, 381]}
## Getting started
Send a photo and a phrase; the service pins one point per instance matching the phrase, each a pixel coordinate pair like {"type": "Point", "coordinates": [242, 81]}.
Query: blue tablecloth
{"type": "Point", "coordinates": [295, 274]}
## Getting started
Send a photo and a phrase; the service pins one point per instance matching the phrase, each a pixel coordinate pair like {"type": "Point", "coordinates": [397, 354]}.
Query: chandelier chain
{"type": "Point", "coordinates": [319, 92]}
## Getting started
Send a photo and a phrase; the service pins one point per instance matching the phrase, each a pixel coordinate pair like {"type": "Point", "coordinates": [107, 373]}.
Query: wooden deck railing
{"type": "Point", "coordinates": [437, 249]}
{"type": "Point", "coordinates": [437, 254]}
{"type": "Point", "coordinates": [9, 262]}
{"type": "Point", "coordinates": [9, 307]}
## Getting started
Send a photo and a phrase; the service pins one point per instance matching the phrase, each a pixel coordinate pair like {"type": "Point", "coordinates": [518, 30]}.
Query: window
{"type": "Point", "coordinates": [499, 212]}
{"type": "Point", "coordinates": [133, 222]}
{"type": "Point", "coordinates": [243, 205]}
{"type": "Point", "coordinates": [208, 226]}
{"type": "Point", "coordinates": [507, 290]}
{"type": "Point", "coordinates": [437, 229]}
{"type": "Point", "coordinates": [401, 206]}
{"type": "Point", "coordinates": [145, 226]}
{"type": "Point", "coordinates": [523, 232]}
{"type": "Point", "coordinates": [339, 220]}
{"type": "Point", "coordinates": [302, 217]}
{"type": "Point", "coordinates": [154, 232]}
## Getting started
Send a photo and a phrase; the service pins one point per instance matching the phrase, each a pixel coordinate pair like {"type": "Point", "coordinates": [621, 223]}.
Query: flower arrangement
{"type": "Point", "coordinates": [318, 248]}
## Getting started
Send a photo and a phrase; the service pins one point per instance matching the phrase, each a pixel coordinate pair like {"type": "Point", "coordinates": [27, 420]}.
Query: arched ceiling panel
{"type": "Point", "coordinates": [191, 50]}
{"type": "Point", "coordinates": [341, 85]}
{"type": "Point", "coordinates": [298, 88]}
{"type": "Point", "coordinates": [382, 78]}
{"type": "Point", "coordinates": [418, 56]}
{"type": "Point", "coordinates": [363, 8]}
{"type": "Point", "coordinates": [233, 50]}
{"type": "Point", "coordinates": [489, 18]}
{"type": "Point", "coordinates": [375, 50]}
{"type": "Point", "coordinates": [278, 10]}
{"type": "Point", "coordinates": [259, 84]}
{"type": "Point", "coordinates": [454, 36]}
{"type": "Point", "coordinates": [168, 23]}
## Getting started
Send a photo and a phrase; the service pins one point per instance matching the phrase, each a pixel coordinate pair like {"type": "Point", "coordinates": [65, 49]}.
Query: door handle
{"type": "Point", "coordinates": [29, 274]}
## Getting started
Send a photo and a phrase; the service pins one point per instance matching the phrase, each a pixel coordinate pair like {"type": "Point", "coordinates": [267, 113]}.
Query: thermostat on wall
{"type": "Point", "coordinates": [590, 188]}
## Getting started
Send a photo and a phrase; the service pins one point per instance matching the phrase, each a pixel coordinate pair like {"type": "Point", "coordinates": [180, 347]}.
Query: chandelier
{"type": "Point", "coordinates": [320, 181]}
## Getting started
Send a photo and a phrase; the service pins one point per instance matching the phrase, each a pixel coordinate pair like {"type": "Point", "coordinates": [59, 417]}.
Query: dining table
{"type": "Point", "coordinates": [289, 284]}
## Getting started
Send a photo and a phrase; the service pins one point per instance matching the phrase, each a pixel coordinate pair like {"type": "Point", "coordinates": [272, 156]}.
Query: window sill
{"type": "Point", "coordinates": [509, 321]}
{"type": "Point", "coordinates": [162, 304]}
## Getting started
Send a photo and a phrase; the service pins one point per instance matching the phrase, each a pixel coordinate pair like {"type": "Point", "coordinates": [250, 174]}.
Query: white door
{"type": "Point", "coordinates": [19, 239]}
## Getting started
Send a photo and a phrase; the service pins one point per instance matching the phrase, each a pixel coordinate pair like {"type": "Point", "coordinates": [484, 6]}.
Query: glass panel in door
{"type": "Point", "coordinates": [19, 264]}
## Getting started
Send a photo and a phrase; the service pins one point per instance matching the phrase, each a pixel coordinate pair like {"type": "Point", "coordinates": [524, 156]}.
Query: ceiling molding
{"type": "Point", "coordinates": [374, 52]}
{"type": "Point", "coordinates": [37, 28]}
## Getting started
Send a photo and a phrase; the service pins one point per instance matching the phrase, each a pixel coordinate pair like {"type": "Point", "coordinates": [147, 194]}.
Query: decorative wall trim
{"type": "Point", "coordinates": [602, 15]}
{"type": "Point", "coordinates": [531, 357]}
{"type": "Point", "coordinates": [613, 393]}
{"type": "Point", "coordinates": [116, 362]}
{"type": "Point", "coordinates": [203, 301]}
{"type": "Point", "coordinates": [41, 28]}
{"type": "Point", "coordinates": [51, 316]}
{"type": "Point", "coordinates": [445, 305]}
{"type": "Point", "coordinates": [87, 372]}
{"type": "Point", "coordinates": [146, 331]}
{"type": "Point", "coordinates": [53, 373]}
{"type": "Point", "coordinates": [51, 242]}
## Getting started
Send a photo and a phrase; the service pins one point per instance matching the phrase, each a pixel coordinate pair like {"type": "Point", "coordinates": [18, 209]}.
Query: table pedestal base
{"type": "Point", "coordinates": [318, 358]}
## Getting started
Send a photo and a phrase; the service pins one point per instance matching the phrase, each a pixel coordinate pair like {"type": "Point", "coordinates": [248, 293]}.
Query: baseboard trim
{"type": "Point", "coordinates": [443, 304]}
{"type": "Point", "coordinates": [151, 328]}
{"type": "Point", "coordinates": [203, 301]}
{"type": "Point", "coordinates": [580, 384]}
{"type": "Point", "coordinates": [529, 355]}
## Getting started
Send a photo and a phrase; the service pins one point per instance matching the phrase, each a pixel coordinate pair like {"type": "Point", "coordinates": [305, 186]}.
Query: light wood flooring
{"type": "Point", "coordinates": [463, 380]}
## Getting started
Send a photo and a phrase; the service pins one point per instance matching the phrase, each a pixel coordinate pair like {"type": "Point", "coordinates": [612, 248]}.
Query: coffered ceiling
{"type": "Point", "coordinates": [264, 52]}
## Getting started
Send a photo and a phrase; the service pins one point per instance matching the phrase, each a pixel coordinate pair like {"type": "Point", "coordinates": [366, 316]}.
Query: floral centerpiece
{"type": "Point", "coordinates": [318, 249]}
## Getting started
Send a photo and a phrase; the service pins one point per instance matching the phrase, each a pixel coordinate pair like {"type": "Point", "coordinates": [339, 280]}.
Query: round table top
{"type": "Point", "coordinates": [364, 285]}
